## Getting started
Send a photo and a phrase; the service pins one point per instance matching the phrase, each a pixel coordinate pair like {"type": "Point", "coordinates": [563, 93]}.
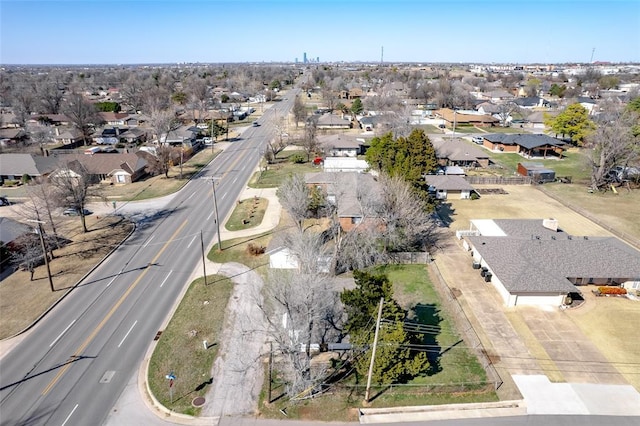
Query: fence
{"type": "Point", "coordinates": [499, 180]}
{"type": "Point", "coordinates": [451, 304]}
{"type": "Point", "coordinates": [406, 258]}
{"type": "Point", "coordinates": [622, 235]}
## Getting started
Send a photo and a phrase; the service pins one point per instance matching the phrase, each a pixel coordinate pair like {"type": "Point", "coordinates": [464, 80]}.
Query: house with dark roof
{"type": "Point", "coordinates": [467, 118]}
{"type": "Point", "coordinates": [534, 262]}
{"type": "Point", "coordinates": [531, 102]}
{"type": "Point", "coordinates": [458, 152]}
{"type": "Point", "coordinates": [526, 144]}
{"type": "Point", "coordinates": [116, 168]}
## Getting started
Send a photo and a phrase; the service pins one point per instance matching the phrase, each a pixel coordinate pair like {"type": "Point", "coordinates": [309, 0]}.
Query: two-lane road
{"type": "Point", "coordinates": [72, 367]}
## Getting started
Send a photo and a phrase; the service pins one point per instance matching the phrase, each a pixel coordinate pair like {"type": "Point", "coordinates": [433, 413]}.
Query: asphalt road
{"type": "Point", "coordinates": [73, 366]}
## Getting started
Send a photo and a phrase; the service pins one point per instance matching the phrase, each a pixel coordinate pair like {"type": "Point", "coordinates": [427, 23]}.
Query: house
{"type": "Point", "coordinates": [534, 262]}
{"type": "Point", "coordinates": [134, 135]}
{"type": "Point", "coordinates": [114, 118]}
{"type": "Point", "coordinates": [10, 136]}
{"type": "Point", "coordinates": [535, 120]}
{"type": "Point", "coordinates": [67, 136]}
{"type": "Point", "coordinates": [341, 145]}
{"type": "Point", "coordinates": [447, 186]}
{"type": "Point", "coordinates": [487, 108]}
{"type": "Point", "coordinates": [344, 164]}
{"type": "Point", "coordinates": [11, 230]}
{"type": "Point", "coordinates": [182, 136]}
{"type": "Point", "coordinates": [372, 122]}
{"type": "Point", "coordinates": [331, 121]}
{"type": "Point", "coordinates": [466, 118]}
{"type": "Point", "coordinates": [457, 152]}
{"type": "Point", "coordinates": [343, 190]}
{"type": "Point", "coordinates": [537, 171]}
{"type": "Point", "coordinates": [14, 166]}
{"type": "Point", "coordinates": [497, 95]}
{"type": "Point", "coordinates": [352, 93]}
{"type": "Point", "coordinates": [528, 145]}
{"type": "Point", "coordinates": [531, 102]}
{"type": "Point", "coordinates": [116, 168]}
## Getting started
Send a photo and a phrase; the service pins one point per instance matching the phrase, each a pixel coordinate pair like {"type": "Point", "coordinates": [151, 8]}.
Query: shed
{"type": "Point", "coordinates": [537, 171]}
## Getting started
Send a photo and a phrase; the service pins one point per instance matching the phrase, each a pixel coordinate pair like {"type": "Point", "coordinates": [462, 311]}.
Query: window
{"type": "Point", "coordinates": [356, 220]}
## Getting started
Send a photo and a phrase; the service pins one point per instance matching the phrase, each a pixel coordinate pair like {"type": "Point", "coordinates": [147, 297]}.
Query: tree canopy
{"type": "Point", "coordinates": [410, 158]}
{"type": "Point", "coordinates": [394, 362]}
{"type": "Point", "coordinates": [573, 122]}
{"type": "Point", "coordinates": [356, 107]}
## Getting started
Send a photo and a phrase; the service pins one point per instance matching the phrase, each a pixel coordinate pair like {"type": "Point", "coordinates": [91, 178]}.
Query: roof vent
{"type": "Point", "coordinates": [551, 224]}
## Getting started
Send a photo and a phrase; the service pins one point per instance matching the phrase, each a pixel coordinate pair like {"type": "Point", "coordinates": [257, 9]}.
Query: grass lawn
{"type": "Point", "coordinates": [247, 214]}
{"type": "Point", "coordinates": [200, 316]}
{"type": "Point", "coordinates": [573, 164]}
{"type": "Point", "coordinates": [464, 129]}
{"type": "Point", "coordinates": [236, 251]}
{"type": "Point", "coordinates": [280, 169]}
{"type": "Point", "coordinates": [429, 128]}
{"type": "Point", "coordinates": [499, 129]}
{"type": "Point", "coordinates": [454, 363]}
{"type": "Point", "coordinates": [22, 301]}
{"type": "Point", "coordinates": [158, 186]}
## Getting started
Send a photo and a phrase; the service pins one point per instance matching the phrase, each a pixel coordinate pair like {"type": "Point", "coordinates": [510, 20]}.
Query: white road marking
{"type": "Point", "coordinates": [125, 336]}
{"type": "Point", "coordinates": [223, 195]}
{"type": "Point", "coordinates": [191, 196]}
{"type": "Point", "coordinates": [69, 416]}
{"type": "Point", "coordinates": [210, 214]}
{"type": "Point", "coordinates": [235, 179]}
{"type": "Point", "coordinates": [148, 241]}
{"type": "Point", "coordinates": [166, 278]}
{"type": "Point", "coordinates": [113, 279]}
{"type": "Point", "coordinates": [60, 335]}
{"type": "Point", "coordinates": [192, 240]}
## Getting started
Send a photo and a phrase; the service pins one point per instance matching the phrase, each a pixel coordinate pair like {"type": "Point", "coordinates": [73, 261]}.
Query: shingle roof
{"type": "Point", "coordinates": [339, 141]}
{"type": "Point", "coordinates": [534, 259]}
{"type": "Point", "coordinates": [525, 140]}
{"type": "Point", "coordinates": [106, 163]}
{"type": "Point", "coordinates": [345, 186]}
{"type": "Point", "coordinates": [457, 149]}
{"type": "Point", "coordinates": [448, 182]}
{"type": "Point", "coordinates": [33, 165]}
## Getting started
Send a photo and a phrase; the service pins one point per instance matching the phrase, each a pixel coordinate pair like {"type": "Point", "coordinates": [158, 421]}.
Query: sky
{"type": "Point", "coordinates": [215, 31]}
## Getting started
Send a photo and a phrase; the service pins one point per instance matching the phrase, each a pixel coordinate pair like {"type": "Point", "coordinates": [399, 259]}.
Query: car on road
{"type": "Point", "coordinates": [207, 141]}
{"type": "Point", "coordinates": [478, 139]}
{"type": "Point", "coordinates": [74, 211]}
{"type": "Point", "coordinates": [256, 124]}
{"type": "Point", "coordinates": [4, 201]}
{"type": "Point", "coordinates": [442, 126]}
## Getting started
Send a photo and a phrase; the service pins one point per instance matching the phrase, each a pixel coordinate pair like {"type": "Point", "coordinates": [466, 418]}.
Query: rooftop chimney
{"type": "Point", "coordinates": [550, 223]}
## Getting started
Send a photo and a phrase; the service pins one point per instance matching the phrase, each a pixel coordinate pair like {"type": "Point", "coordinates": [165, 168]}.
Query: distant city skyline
{"type": "Point", "coordinates": [224, 31]}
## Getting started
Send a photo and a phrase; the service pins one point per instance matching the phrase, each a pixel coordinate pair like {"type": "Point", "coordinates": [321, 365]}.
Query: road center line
{"type": "Point", "coordinates": [60, 335]}
{"type": "Point", "coordinates": [166, 278]}
{"type": "Point", "coordinates": [69, 416]}
{"type": "Point", "coordinates": [210, 214]}
{"type": "Point", "coordinates": [223, 195]}
{"type": "Point", "coordinates": [148, 241]}
{"type": "Point", "coordinates": [125, 336]}
{"type": "Point", "coordinates": [192, 240]}
{"type": "Point", "coordinates": [191, 196]}
{"type": "Point", "coordinates": [95, 332]}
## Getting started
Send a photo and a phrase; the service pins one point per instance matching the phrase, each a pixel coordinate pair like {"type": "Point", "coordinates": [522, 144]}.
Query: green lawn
{"type": "Point", "coordinates": [280, 169]}
{"type": "Point", "coordinates": [499, 129]}
{"type": "Point", "coordinates": [572, 164]}
{"type": "Point", "coordinates": [180, 349]}
{"type": "Point", "coordinates": [236, 251]}
{"type": "Point", "coordinates": [247, 214]}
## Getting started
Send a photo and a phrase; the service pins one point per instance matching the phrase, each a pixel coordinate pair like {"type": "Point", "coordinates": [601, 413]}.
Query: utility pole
{"type": "Point", "coordinates": [215, 207]}
{"type": "Point", "coordinates": [204, 265]}
{"type": "Point", "coordinates": [367, 393]}
{"type": "Point", "coordinates": [44, 251]}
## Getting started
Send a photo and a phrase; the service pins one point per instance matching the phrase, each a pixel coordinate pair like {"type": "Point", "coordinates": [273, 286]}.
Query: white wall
{"type": "Point", "coordinates": [540, 300]}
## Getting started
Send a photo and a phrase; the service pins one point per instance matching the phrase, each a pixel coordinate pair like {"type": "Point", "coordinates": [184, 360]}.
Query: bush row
{"type": "Point", "coordinates": [611, 290]}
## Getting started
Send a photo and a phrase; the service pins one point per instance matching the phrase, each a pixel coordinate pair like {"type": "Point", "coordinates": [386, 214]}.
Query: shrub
{"type": "Point", "coordinates": [611, 290]}
{"type": "Point", "coordinates": [297, 158]}
{"type": "Point", "coordinates": [255, 250]}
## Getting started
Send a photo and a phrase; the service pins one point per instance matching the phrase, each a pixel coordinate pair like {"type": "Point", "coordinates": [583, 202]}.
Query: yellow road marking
{"type": "Point", "coordinates": [111, 312]}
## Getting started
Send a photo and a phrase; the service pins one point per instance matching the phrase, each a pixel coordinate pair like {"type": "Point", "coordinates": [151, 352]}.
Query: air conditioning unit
{"type": "Point", "coordinates": [487, 277]}
{"type": "Point", "coordinates": [476, 265]}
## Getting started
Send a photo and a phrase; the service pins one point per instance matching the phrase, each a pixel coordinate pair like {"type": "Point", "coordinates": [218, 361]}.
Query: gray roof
{"type": "Point", "coordinates": [339, 141]}
{"type": "Point", "coordinates": [533, 259]}
{"type": "Point", "coordinates": [457, 149]}
{"type": "Point", "coordinates": [20, 164]}
{"type": "Point", "coordinates": [448, 182]}
{"type": "Point", "coordinates": [525, 140]}
{"type": "Point", "coordinates": [11, 229]}
{"type": "Point", "coordinates": [346, 186]}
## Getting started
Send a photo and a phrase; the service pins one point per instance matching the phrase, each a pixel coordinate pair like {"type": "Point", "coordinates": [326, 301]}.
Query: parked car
{"type": "Point", "coordinates": [4, 201]}
{"type": "Point", "coordinates": [74, 211]}
{"type": "Point", "coordinates": [207, 141]}
{"type": "Point", "coordinates": [442, 126]}
{"type": "Point", "coordinates": [478, 139]}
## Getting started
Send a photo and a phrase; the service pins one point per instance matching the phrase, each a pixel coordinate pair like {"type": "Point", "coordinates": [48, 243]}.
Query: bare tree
{"type": "Point", "coordinates": [293, 194]}
{"type": "Point", "coordinates": [50, 96]}
{"type": "Point", "coordinates": [28, 253]}
{"type": "Point", "coordinates": [72, 185]}
{"type": "Point", "coordinates": [82, 114]}
{"type": "Point", "coordinates": [310, 140]}
{"type": "Point", "coordinates": [504, 112]}
{"type": "Point", "coordinates": [613, 143]}
{"type": "Point", "coordinates": [132, 93]}
{"type": "Point", "coordinates": [40, 206]}
{"type": "Point", "coordinates": [299, 111]}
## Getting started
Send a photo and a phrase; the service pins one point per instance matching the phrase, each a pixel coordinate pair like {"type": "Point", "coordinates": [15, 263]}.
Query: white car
{"type": "Point", "coordinates": [478, 139]}
{"type": "Point", "coordinates": [207, 141]}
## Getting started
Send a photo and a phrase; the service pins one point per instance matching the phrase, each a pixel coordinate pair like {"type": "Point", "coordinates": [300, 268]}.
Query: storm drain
{"type": "Point", "coordinates": [107, 376]}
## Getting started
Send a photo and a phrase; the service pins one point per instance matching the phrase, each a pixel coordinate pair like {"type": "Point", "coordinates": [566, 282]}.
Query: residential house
{"type": "Point", "coordinates": [12, 136]}
{"type": "Point", "coordinates": [528, 145]}
{"type": "Point", "coordinates": [458, 152]}
{"type": "Point", "coordinates": [344, 164]}
{"type": "Point", "coordinates": [352, 93]}
{"type": "Point", "coordinates": [341, 145]}
{"type": "Point", "coordinates": [487, 108]}
{"type": "Point", "coordinates": [14, 166]}
{"type": "Point", "coordinates": [10, 233]}
{"type": "Point", "coordinates": [344, 190]}
{"type": "Point", "coordinates": [535, 120]}
{"type": "Point", "coordinates": [534, 262]}
{"type": "Point", "coordinates": [498, 95]}
{"type": "Point", "coordinates": [532, 102]}
{"type": "Point", "coordinates": [8, 120]}
{"type": "Point", "coordinates": [371, 123]}
{"type": "Point", "coordinates": [115, 118]}
{"type": "Point", "coordinates": [331, 121]}
{"type": "Point", "coordinates": [466, 118]}
{"type": "Point", "coordinates": [183, 136]}
{"type": "Point", "coordinates": [449, 186]}
{"type": "Point", "coordinates": [115, 168]}
{"type": "Point", "coordinates": [67, 136]}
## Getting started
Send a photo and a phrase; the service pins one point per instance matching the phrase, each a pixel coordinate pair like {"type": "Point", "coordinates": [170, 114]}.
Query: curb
{"type": "Point", "coordinates": [64, 296]}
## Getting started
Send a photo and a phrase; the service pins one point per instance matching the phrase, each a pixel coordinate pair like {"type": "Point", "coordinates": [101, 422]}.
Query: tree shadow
{"type": "Point", "coordinates": [198, 388]}
{"type": "Point", "coordinates": [72, 359]}
{"type": "Point", "coordinates": [446, 213]}
{"type": "Point", "coordinates": [427, 321]}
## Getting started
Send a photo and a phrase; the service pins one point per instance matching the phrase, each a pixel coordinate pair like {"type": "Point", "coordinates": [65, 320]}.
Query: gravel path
{"type": "Point", "coordinates": [238, 371]}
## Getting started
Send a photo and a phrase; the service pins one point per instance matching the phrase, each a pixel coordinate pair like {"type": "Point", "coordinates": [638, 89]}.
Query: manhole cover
{"type": "Point", "coordinates": [198, 401]}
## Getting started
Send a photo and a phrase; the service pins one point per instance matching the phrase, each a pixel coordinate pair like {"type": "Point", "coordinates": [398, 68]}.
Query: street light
{"type": "Point", "coordinates": [215, 206]}
{"type": "Point", "coordinates": [44, 250]}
